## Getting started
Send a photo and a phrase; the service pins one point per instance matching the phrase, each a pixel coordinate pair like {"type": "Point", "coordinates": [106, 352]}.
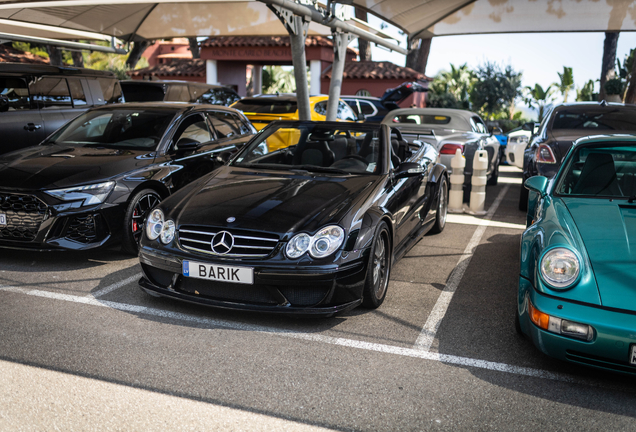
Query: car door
{"type": "Point", "coordinates": [230, 129]}
{"type": "Point", "coordinates": [21, 124]}
{"type": "Point", "coordinates": [51, 94]}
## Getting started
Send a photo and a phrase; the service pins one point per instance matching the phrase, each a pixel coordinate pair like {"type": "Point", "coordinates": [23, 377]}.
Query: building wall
{"type": "Point", "coordinates": [233, 74]}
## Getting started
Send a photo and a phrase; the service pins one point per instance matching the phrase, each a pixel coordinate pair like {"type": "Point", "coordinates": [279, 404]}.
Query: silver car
{"type": "Point", "coordinates": [450, 129]}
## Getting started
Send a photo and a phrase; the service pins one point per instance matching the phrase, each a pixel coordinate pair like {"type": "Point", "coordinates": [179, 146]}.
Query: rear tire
{"type": "Point", "coordinates": [135, 219]}
{"type": "Point", "coordinates": [442, 208]}
{"type": "Point", "coordinates": [379, 269]}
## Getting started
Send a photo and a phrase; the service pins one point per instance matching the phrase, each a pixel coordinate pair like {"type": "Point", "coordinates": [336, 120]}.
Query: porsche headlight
{"type": "Point", "coordinates": [560, 267]}
{"type": "Point", "coordinates": [322, 244]}
{"type": "Point", "coordinates": [326, 241]}
{"type": "Point", "coordinates": [154, 224]}
{"type": "Point", "coordinates": [167, 232]}
{"type": "Point", "coordinates": [91, 194]}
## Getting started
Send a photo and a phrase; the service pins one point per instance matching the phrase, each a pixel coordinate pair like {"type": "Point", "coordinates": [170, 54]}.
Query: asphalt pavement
{"type": "Point", "coordinates": [83, 348]}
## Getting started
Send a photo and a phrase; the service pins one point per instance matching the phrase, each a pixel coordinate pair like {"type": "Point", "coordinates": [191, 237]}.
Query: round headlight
{"type": "Point", "coordinates": [167, 232]}
{"type": "Point", "coordinates": [154, 224]}
{"type": "Point", "coordinates": [326, 241]}
{"type": "Point", "coordinates": [560, 267]}
{"type": "Point", "coordinates": [298, 245]}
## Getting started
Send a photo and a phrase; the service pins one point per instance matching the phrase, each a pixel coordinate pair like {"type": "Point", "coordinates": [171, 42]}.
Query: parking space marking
{"type": "Point", "coordinates": [368, 346]}
{"type": "Point", "coordinates": [113, 287]}
{"type": "Point", "coordinates": [464, 219]}
{"type": "Point", "coordinates": [427, 335]}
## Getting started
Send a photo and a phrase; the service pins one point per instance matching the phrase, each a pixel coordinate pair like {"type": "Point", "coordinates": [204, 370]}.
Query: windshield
{"type": "Point", "coordinates": [315, 147]}
{"type": "Point", "coordinates": [121, 128]}
{"type": "Point", "coordinates": [596, 120]}
{"type": "Point", "coordinates": [600, 171]}
{"type": "Point", "coordinates": [266, 105]}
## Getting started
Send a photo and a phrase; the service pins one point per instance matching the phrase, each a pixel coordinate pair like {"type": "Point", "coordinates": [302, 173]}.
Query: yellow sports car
{"type": "Point", "coordinates": [262, 110]}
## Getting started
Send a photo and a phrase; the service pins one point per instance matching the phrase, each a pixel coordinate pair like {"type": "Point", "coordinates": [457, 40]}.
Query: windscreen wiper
{"type": "Point", "coordinates": [316, 168]}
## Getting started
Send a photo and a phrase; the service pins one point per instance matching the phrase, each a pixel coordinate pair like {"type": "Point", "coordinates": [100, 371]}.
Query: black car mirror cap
{"type": "Point", "coordinates": [408, 169]}
{"type": "Point", "coordinates": [187, 144]}
{"type": "Point", "coordinates": [538, 184]}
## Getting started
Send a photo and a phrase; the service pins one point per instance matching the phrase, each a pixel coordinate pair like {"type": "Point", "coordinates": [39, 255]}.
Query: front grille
{"type": "Point", "coordinates": [252, 294]}
{"type": "Point", "coordinates": [82, 229]}
{"type": "Point", "coordinates": [246, 243]}
{"type": "Point", "coordinates": [24, 215]}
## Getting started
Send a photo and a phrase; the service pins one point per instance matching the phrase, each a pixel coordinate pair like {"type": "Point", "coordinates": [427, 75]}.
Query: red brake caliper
{"type": "Point", "coordinates": [135, 227]}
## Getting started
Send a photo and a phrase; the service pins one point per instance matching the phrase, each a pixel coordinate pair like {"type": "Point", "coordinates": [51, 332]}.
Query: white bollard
{"type": "Point", "coordinates": [456, 193]}
{"type": "Point", "coordinates": [478, 182]}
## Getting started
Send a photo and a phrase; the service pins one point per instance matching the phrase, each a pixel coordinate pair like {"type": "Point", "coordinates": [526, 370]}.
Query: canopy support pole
{"type": "Point", "coordinates": [340, 42]}
{"type": "Point", "coordinates": [297, 27]}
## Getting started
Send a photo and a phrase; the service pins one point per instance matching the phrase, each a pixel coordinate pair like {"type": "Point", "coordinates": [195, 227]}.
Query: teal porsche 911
{"type": "Point", "coordinates": [577, 283]}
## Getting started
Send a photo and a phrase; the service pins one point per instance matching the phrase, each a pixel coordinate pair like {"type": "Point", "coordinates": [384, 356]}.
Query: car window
{"type": "Point", "coordinates": [14, 94]}
{"type": "Point", "coordinates": [193, 128]}
{"type": "Point", "coordinates": [614, 120]}
{"type": "Point", "coordinates": [225, 124]}
{"type": "Point", "coordinates": [345, 112]}
{"type": "Point", "coordinates": [177, 93]}
{"type": "Point", "coordinates": [218, 96]}
{"type": "Point", "coordinates": [120, 128]}
{"type": "Point", "coordinates": [110, 89]}
{"type": "Point", "coordinates": [367, 108]}
{"type": "Point", "coordinates": [77, 92]}
{"type": "Point", "coordinates": [321, 108]}
{"type": "Point", "coordinates": [478, 125]}
{"type": "Point", "coordinates": [430, 119]}
{"type": "Point", "coordinates": [266, 106]}
{"type": "Point", "coordinates": [50, 92]}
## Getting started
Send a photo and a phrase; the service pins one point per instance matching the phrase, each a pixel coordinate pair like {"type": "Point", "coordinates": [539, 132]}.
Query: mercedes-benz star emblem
{"type": "Point", "coordinates": [222, 242]}
{"type": "Point", "coordinates": [230, 219]}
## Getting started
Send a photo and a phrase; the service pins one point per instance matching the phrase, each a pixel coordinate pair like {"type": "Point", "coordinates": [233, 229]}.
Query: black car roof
{"type": "Point", "coordinates": [39, 69]}
{"type": "Point", "coordinates": [174, 106]}
{"type": "Point", "coordinates": [161, 83]}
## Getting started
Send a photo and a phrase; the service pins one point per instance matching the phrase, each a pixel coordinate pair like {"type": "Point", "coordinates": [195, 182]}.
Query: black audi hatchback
{"type": "Point", "coordinates": [92, 182]}
{"type": "Point", "coordinates": [307, 218]}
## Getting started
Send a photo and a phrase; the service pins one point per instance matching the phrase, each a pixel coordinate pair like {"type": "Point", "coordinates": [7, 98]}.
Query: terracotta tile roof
{"type": "Point", "coordinates": [377, 70]}
{"type": "Point", "coordinates": [9, 54]}
{"type": "Point", "coordinates": [177, 67]}
{"type": "Point", "coordinates": [236, 41]}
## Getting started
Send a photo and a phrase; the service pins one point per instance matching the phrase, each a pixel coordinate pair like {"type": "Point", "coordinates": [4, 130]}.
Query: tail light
{"type": "Point", "coordinates": [545, 155]}
{"type": "Point", "coordinates": [450, 149]}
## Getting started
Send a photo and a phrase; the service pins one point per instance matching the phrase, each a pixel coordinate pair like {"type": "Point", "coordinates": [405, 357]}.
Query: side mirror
{"type": "Point", "coordinates": [538, 184]}
{"type": "Point", "coordinates": [528, 126]}
{"type": "Point", "coordinates": [187, 144]}
{"type": "Point", "coordinates": [408, 169]}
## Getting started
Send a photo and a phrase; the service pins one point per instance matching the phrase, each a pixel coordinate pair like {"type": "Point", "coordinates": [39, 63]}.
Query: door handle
{"type": "Point", "coordinates": [31, 127]}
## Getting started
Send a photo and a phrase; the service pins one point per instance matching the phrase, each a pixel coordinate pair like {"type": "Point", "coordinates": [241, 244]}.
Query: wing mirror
{"type": "Point", "coordinates": [187, 144]}
{"type": "Point", "coordinates": [408, 169]}
{"type": "Point", "coordinates": [538, 184]}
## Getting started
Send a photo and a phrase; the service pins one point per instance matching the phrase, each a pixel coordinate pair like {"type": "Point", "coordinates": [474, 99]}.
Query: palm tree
{"type": "Point", "coordinates": [567, 82]}
{"type": "Point", "coordinates": [458, 82]}
{"type": "Point", "coordinates": [538, 98]}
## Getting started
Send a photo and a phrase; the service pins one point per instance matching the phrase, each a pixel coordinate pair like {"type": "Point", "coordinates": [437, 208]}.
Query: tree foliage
{"type": "Point", "coordinates": [566, 82]}
{"type": "Point", "coordinates": [538, 98]}
{"type": "Point", "coordinates": [495, 89]}
{"type": "Point", "coordinates": [586, 93]}
{"type": "Point", "coordinates": [278, 80]}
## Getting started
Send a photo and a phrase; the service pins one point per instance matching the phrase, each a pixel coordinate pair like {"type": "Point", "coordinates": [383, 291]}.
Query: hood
{"type": "Point", "coordinates": [282, 202]}
{"type": "Point", "coordinates": [55, 166]}
{"type": "Point", "coordinates": [608, 230]}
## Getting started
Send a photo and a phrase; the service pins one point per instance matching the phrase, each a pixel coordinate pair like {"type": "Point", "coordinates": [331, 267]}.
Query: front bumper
{"type": "Point", "coordinates": [37, 222]}
{"type": "Point", "coordinates": [285, 289]}
{"type": "Point", "coordinates": [614, 332]}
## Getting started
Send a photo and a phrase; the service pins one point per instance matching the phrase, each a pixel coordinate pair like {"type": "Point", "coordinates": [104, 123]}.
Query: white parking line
{"type": "Point", "coordinates": [368, 346]}
{"type": "Point", "coordinates": [464, 219]}
{"type": "Point", "coordinates": [113, 287]}
{"type": "Point", "coordinates": [427, 335]}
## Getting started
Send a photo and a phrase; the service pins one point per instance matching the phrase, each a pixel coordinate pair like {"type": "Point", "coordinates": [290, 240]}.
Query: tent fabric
{"type": "Point", "coordinates": [126, 20]}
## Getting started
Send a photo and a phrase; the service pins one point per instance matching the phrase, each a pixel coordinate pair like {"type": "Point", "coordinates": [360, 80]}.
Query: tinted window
{"type": "Point", "coordinates": [177, 93]}
{"type": "Point", "coordinates": [479, 125]}
{"type": "Point", "coordinates": [321, 108]}
{"type": "Point", "coordinates": [225, 124]}
{"type": "Point", "coordinates": [14, 94]}
{"type": "Point", "coordinates": [193, 128]}
{"type": "Point", "coordinates": [618, 120]}
{"type": "Point", "coordinates": [367, 108]}
{"type": "Point", "coordinates": [134, 92]}
{"type": "Point", "coordinates": [266, 106]}
{"type": "Point", "coordinates": [77, 92]}
{"type": "Point", "coordinates": [353, 104]}
{"type": "Point", "coordinates": [422, 119]}
{"type": "Point", "coordinates": [121, 128]}
{"type": "Point", "coordinates": [219, 97]}
{"type": "Point", "coordinates": [345, 112]}
{"type": "Point", "coordinates": [50, 91]}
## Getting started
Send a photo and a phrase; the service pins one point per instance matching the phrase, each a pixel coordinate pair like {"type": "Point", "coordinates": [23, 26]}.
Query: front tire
{"type": "Point", "coordinates": [442, 208]}
{"type": "Point", "coordinates": [135, 219]}
{"type": "Point", "coordinates": [379, 270]}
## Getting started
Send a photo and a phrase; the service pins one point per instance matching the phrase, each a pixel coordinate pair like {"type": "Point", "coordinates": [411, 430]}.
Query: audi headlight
{"type": "Point", "coordinates": [154, 224]}
{"type": "Point", "coordinates": [91, 194]}
{"type": "Point", "coordinates": [322, 244]}
{"type": "Point", "coordinates": [560, 267]}
{"type": "Point", "coordinates": [167, 232]}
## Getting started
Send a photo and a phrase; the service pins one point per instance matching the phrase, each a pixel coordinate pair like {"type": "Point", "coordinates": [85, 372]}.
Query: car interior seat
{"type": "Point", "coordinates": [598, 176]}
{"type": "Point", "coordinates": [315, 153]}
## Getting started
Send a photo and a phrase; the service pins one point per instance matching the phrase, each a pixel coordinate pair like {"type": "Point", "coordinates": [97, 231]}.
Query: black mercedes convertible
{"type": "Point", "coordinates": [307, 218]}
